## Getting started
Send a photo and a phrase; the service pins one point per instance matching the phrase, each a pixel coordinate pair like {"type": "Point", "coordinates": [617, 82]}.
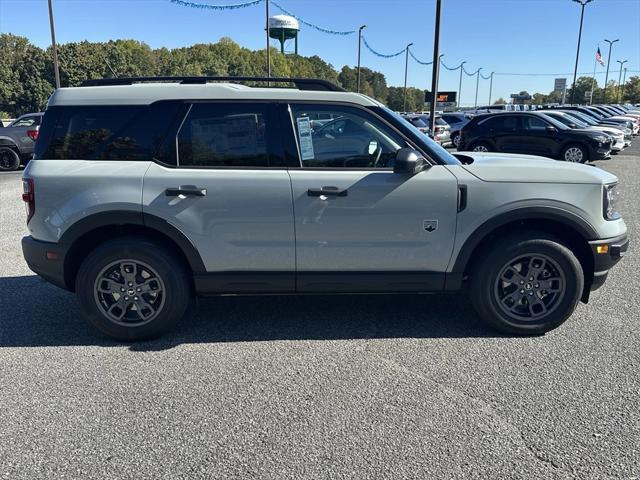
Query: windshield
{"type": "Point", "coordinates": [569, 121]}
{"type": "Point", "coordinates": [426, 143]}
{"type": "Point", "coordinates": [554, 122]}
{"type": "Point", "coordinates": [582, 117]}
{"type": "Point", "coordinates": [418, 122]}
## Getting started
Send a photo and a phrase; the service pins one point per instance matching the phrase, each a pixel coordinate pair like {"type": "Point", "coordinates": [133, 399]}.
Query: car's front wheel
{"type": "Point", "coordinates": [481, 147]}
{"type": "Point", "coordinates": [527, 284]}
{"type": "Point", "coordinates": [132, 289]}
{"type": "Point", "coordinates": [455, 139]}
{"type": "Point", "coordinates": [574, 153]}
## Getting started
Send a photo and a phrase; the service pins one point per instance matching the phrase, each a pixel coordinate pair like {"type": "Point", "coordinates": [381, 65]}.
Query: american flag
{"type": "Point", "coordinates": [599, 57]}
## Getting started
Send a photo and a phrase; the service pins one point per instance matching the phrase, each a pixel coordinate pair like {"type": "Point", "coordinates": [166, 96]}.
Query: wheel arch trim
{"type": "Point", "coordinates": [554, 214]}
{"type": "Point", "coordinates": [124, 218]}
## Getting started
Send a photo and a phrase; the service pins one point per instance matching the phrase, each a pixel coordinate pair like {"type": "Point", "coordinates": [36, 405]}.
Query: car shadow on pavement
{"type": "Point", "coordinates": [34, 313]}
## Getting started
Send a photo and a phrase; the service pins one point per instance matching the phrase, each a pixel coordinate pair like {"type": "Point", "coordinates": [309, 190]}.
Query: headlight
{"type": "Point", "coordinates": [601, 139]}
{"type": "Point", "coordinates": [611, 193]}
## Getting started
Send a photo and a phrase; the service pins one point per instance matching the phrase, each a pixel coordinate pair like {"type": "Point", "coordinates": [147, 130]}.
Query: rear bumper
{"type": "Point", "coordinates": [605, 261]}
{"type": "Point", "coordinates": [46, 259]}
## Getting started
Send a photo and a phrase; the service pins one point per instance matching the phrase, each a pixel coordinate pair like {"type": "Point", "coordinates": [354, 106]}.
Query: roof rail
{"type": "Point", "coordinates": [300, 83]}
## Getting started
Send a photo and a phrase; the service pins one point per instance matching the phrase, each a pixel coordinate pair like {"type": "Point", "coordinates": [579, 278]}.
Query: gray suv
{"type": "Point", "coordinates": [17, 141]}
{"type": "Point", "coordinates": [146, 192]}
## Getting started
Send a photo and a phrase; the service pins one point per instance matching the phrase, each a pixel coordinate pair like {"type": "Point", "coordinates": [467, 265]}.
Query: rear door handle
{"type": "Point", "coordinates": [333, 191]}
{"type": "Point", "coordinates": [191, 190]}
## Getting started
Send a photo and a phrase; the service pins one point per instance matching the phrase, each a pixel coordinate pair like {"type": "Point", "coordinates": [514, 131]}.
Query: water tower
{"type": "Point", "coordinates": [283, 28]}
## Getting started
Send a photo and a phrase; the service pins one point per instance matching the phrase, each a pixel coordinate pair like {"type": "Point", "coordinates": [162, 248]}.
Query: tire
{"type": "Point", "coordinates": [140, 275]}
{"type": "Point", "coordinates": [500, 297]}
{"type": "Point", "coordinates": [481, 147]}
{"type": "Point", "coordinates": [9, 159]}
{"type": "Point", "coordinates": [574, 153]}
{"type": "Point", "coordinates": [455, 139]}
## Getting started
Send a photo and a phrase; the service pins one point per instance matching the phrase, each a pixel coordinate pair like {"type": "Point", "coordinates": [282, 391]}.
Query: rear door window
{"type": "Point", "coordinates": [502, 122]}
{"type": "Point", "coordinates": [534, 124]}
{"type": "Point", "coordinates": [225, 135]}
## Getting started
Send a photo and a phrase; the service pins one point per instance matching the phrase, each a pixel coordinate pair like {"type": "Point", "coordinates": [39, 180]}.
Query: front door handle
{"type": "Point", "coordinates": [333, 191]}
{"type": "Point", "coordinates": [191, 190]}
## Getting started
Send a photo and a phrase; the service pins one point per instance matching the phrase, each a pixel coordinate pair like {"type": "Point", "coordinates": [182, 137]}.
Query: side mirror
{"type": "Point", "coordinates": [573, 125]}
{"type": "Point", "coordinates": [551, 129]}
{"type": "Point", "coordinates": [409, 161]}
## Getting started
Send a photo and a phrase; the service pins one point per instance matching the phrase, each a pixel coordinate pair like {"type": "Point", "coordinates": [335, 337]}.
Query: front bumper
{"type": "Point", "coordinates": [600, 152]}
{"type": "Point", "coordinates": [606, 253]}
{"type": "Point", "coordinates": [46, 259]}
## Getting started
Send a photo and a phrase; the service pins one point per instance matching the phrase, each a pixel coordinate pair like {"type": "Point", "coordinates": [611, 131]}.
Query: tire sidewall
{"type": "Point", "coordinates": [16, 159]}
{"type": "Point", "coordinates": [585, 154]}
{"type": "Point", "coordinates": [177, 288]}
{"type": "Point", "coordinates": [484, 144]}
{"type": "Point", "coordinates": [483, 288]}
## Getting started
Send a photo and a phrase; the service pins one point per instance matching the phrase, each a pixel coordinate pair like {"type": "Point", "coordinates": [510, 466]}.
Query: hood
{"type": "Point", "coordinates": [611, 130]}
{"type": "Point", "coordinates": [588, 131]}
{"type": "Point", "coordinates": [508, 167]}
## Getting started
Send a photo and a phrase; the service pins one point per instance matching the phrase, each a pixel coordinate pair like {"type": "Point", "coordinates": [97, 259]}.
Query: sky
{"type": "Point", "coordinates": [535, 39]}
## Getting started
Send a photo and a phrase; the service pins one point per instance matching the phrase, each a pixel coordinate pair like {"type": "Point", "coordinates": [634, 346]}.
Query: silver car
{"type": "Point", "coordinates": [456, 120]}
{"type": "Point", "coordinates": [442, 133]}
{"type": "Point", "coordinates": [144, 193]}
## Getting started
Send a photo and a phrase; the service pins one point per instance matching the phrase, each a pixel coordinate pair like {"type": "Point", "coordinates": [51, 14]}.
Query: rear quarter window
{"type": "Point", "coordinates": [77, 132]}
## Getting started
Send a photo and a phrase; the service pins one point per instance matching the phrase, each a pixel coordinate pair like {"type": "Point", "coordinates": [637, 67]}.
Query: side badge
{"type": "Point", "coordinates": [430, 225]}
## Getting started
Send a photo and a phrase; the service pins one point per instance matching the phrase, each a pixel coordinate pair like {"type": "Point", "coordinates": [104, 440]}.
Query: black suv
{"type": "Point", "coordinates": [532, 133]}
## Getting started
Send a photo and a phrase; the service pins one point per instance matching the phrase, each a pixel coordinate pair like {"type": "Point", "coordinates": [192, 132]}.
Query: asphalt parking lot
{"type": "Point", "coordinates": [320, 387]}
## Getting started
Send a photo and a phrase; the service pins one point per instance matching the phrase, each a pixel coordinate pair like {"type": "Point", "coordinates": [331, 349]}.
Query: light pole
{"type": "Point", "coordinates": [460, 85]}
{"type": "Point", "coordinates": [477, 85]}
{"type": "Point", "coordinates": [268, 46]}
{"type": "Point", "coordinates": [436, 70]}
{"type": "Point", "coordinates": [56, 69]}
{"type": "Point", "coordinates": [439, 68]}
{"type": "Point", "coordinates": [606, 78]}
{"type": "Point", "coordinates": [406, 66]}
{"type": "Point", "coordinates": [624, 80]}
{"type": "Point", "coordinates": [359, 43]}
{"type": "Point", "coordinates": [620, 75]}
{"type": "Point", "coordinates": [490, 87]}
{"type": "Point", "coordinates": [575, 70]}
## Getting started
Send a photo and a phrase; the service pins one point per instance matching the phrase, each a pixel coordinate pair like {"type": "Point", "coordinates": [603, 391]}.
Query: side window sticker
{"type": "Point", "coordinates": [306, 142]}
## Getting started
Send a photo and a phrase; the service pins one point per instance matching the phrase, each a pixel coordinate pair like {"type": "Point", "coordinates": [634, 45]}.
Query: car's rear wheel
{"type": "Point", "coordinates": [481, 147]}
{"type": "Point", "coordinates": [132, 289]}
{"type": "Point", "coordinates": [574, 153]}
{"type": "Point", "coordinates": [455, 139]}
{"type": "Point", "coordinates": [9, 159]}
{"type": "Point", "coordinates": [527, 284]}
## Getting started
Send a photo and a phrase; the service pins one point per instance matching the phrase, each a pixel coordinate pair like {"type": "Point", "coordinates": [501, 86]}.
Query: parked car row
{"type": "Point", "coordinates": [574, 133]}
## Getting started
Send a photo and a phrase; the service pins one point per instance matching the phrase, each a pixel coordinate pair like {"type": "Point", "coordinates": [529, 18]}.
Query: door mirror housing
{"type": "Point", "coordinates": [409, 161]}
{"type": "Point", "coordinates": [551, 129]}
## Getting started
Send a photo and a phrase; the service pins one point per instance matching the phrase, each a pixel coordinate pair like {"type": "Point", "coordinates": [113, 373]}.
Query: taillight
{"type": "Point", "coordinates": [33, 134]}
{"type": "Point", "coordinates": [439, 129]}
{"type": "Point", "coordinates": [29, 197]}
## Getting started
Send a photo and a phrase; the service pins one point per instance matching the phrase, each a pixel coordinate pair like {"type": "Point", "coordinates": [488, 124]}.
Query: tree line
{"type": "Point", "coordinates": [27, 78]}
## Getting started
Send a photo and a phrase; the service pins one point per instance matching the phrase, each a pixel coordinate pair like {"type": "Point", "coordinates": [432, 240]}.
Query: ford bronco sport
{"type": "Point", "coordinates": [145, 192]}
